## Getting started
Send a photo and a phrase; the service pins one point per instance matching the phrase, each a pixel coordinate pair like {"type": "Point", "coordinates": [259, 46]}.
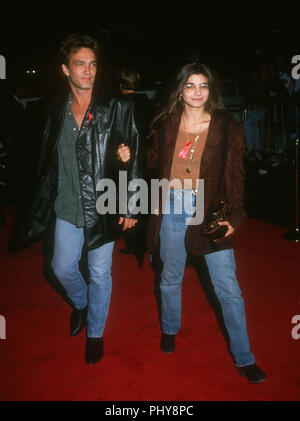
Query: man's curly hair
{"type": "Point", "coordinates": [73, 42]}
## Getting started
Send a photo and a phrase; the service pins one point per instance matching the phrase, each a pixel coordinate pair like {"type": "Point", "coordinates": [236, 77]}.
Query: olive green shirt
{"type": "Point", "coordinates": [68, 205]}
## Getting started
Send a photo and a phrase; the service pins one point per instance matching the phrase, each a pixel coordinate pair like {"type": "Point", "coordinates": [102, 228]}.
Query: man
{"type": "Point", "coordinates": [80, 145]}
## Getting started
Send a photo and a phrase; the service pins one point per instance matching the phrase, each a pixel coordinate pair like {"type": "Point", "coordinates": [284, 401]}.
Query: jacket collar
{"type": "Point", "coordinates": [95, 111]}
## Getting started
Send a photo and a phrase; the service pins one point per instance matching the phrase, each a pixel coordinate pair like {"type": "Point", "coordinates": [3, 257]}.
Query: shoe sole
{"type": "Point", "coordinates": [90, 362]}
{"type": "Point", "coordinates": [251, 381]}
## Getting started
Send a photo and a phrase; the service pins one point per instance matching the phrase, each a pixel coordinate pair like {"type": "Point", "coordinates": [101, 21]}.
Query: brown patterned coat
{"type": "Point", "coordinates": [159, 156]}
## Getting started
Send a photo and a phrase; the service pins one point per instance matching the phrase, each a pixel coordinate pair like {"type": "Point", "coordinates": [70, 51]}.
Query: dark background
{"type": "Point", "coordinates": [234, 41]}
{"type": "Point", "coordinates": [156, 43]}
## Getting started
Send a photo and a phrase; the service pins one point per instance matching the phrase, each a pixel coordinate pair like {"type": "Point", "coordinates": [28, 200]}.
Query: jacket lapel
{"type": "Point", "coordinates": [211, 160]}
{"type": "Point", "coordinates": [167, 146]}
{"type": "Point", "coordinates": [92, 117]}
{"type": "Point", "coordinates": [212, 144]}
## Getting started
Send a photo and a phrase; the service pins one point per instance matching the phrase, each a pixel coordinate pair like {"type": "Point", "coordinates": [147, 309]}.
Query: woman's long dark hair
{"type": "Point", "coordinates": [176, 106]}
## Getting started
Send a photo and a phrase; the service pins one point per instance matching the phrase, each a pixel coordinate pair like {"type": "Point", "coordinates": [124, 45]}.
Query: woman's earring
{"type": "Point", "coordinates": [180, 98]}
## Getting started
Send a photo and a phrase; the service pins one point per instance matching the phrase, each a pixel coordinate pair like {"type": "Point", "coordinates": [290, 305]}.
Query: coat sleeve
{"type": "Point", "coordinates": [235, 177]}
{"type": "Point", "coordinates": [136, 166]}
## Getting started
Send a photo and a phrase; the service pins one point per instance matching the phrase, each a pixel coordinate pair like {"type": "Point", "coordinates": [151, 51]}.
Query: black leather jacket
{"type": "Point", "coordinates": [107, 123]}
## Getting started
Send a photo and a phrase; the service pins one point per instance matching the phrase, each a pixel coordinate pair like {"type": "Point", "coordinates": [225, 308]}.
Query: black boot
{"type": "Point", "coordinates": [167, 343]}
{"type": "Point", "coordinates": [253, 373]}
{"type": "Point", "coordinates": [78, 320]}
{"type": "Point", "coordinates": [93, 350]}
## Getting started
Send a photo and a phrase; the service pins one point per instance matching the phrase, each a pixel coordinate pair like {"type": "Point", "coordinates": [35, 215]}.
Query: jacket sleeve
{"type": "Point", "coordinates": [43, 147]}
{"type": "Point", "coordinates": [235, 177]}
{"type": "Point", "coordinates": [136, 165]}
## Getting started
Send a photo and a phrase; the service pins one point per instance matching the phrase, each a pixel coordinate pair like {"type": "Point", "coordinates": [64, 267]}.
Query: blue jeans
{"type": "Point", "coordinates": [221, 266]}
{"type": "Point", "coordinates": [68, 243]}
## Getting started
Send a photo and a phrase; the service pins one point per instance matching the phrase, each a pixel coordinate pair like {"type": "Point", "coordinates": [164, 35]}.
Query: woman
{"type": "Point", "coordinates": [193, 139]}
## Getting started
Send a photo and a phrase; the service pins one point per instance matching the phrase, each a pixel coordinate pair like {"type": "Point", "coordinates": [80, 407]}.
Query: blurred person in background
{"type": "Point", "coordinates": [129, 82]}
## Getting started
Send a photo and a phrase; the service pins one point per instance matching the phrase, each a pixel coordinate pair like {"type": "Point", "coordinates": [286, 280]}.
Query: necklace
{"type": "Point", "coordinates": [193, 148]}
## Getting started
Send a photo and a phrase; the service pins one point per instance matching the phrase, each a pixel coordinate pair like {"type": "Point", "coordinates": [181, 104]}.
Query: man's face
{"type": "Point", "coordinates": [82, 68]}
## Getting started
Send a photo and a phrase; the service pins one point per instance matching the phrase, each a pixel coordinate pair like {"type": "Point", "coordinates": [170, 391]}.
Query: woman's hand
{"type": "Point", "coordinates": [128, 222]}
{"type": "Point", "coordinates": [123, 153]}
{"type": "Point", "coordinates": [230, 230]}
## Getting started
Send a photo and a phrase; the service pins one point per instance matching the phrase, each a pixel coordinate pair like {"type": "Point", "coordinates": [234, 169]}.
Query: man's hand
{"type": "Point", "coordinates": [123, 153]}
{"type": "Point", "coordinates": [128, 222]}
{"type": "Point", "coordinates": [230, 230]}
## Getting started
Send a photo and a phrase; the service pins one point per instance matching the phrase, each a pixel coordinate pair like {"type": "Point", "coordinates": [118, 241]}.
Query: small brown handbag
{"type": "Point", "coordinates": [211, 229]}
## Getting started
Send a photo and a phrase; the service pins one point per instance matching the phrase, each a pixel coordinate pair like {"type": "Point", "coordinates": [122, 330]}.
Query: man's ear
{"type": "Point", "coordinates": [65, 70]}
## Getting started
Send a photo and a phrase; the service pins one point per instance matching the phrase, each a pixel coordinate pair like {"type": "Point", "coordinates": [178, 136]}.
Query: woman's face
{"type": "Point", "coordinates": [196, 92]}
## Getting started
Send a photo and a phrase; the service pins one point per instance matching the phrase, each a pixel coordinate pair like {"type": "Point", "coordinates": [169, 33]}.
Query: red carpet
{"type": "Point", "coordinates": [40, 361]}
